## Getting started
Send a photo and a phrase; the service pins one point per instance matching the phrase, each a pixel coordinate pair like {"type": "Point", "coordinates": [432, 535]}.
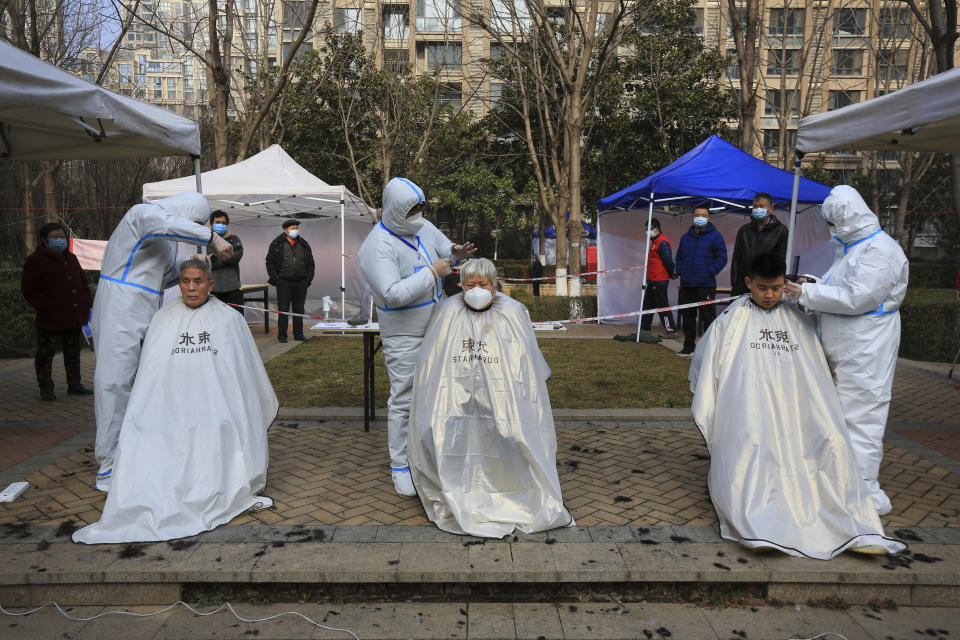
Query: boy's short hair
{"type": "Point", "coordinates": [768, 265]}
{"type": "Point", "coordinates": [701, 206]}
{"type": "Point", "coordinates": [48, 228]}
{"type": "Point", "coordinates": [219, 214]}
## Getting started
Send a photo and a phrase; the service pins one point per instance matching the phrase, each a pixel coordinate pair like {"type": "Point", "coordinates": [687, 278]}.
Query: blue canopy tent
{"type": "Point", "coordinates": [716, 173]}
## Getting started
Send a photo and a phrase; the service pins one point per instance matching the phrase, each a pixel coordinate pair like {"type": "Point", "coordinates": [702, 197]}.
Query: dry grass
{"type": "Point", "coordinates": [587, 373]}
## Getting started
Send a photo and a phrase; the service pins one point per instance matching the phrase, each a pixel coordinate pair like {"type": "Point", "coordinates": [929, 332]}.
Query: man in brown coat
{"type": "Point", "coordinates": [55, 285]}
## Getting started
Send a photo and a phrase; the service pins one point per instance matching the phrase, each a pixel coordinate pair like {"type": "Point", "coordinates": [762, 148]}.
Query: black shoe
{"type": "Point", "coordinates": [79, 390]}
{"type": "Point", "coordinates": [47, 395]}
{"type": "Point", "coordinates": [281, 338]}
{"type": "Point", "coordinates": [686, 353]}
{"type": "Point", "coordinates": [300, 338]}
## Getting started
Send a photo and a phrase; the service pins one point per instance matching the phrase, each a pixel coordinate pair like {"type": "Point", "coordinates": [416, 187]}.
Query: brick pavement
{"type": "Point", "coordinates": [335, 474]}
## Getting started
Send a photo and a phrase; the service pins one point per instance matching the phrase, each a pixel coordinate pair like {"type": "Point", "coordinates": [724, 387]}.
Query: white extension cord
{"type": "Point", "coordinates": [226, 606]}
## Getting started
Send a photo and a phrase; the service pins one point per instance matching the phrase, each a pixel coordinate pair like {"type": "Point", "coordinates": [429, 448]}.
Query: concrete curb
{"type": "Point", "coordinates": [559, 415]}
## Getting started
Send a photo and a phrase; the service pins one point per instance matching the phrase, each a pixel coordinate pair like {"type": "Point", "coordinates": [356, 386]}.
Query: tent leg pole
{"type": "Point", "coordinates": [793, 207]}
{"type": "Point", "coordinates": [343, 288]}
{"type": "Point", "coordinates": [646, 257]}
{"type": "Point", "coordinates": [202, 249]}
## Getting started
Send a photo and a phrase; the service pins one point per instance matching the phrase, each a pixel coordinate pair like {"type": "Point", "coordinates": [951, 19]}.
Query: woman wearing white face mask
{"type": "Point", "coordinates": [482, 443]}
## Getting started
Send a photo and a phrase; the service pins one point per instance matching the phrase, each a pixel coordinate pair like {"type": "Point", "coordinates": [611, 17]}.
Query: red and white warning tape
{"type": "Point", "coordinates": [613, 316]}
{"type": "Point", "coordinates": [571, 275]}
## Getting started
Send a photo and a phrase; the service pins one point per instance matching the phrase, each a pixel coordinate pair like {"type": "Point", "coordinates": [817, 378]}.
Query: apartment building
{"type": "Point", "coordinates": [812, 55]}
{"type": "Point", "coordinates": [819, 55]}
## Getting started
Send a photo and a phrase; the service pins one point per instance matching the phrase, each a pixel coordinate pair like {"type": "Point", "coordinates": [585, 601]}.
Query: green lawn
{"type": "Point", "coordinates": [326, 372]}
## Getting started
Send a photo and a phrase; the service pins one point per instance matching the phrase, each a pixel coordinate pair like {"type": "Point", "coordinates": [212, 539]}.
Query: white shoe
{"type": "Point", "coordinates": [403, 481]}
{"type": "Point", "coordinates": [262, 502]}
{"type": "Point", "coordinates": [104, 478]}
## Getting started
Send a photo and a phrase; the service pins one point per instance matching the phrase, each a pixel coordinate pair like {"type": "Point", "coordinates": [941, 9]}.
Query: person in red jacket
{"type": "Point", "coordinates": [660, 270]}
{"type": "Point", "coordinates": [55, 285]}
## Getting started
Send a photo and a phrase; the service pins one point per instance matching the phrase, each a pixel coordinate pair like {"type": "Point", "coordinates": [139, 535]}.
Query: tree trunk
{"type": "Point", "coordinates": [30, 227]}
{"type": "Point", "coordinates": [218, 77]}
{"type": "Point", "coordinates": [49, 192]}
{"type": "Point", "coordinates": [745, 41]}
{"type": "Point", "coordinates": [575, 228]}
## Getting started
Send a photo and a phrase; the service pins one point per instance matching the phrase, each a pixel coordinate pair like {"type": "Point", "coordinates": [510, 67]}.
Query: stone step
{"type": "Point", "coordinates": [41, 566]}
{"type": "Point", "coordinates": [477, 621]}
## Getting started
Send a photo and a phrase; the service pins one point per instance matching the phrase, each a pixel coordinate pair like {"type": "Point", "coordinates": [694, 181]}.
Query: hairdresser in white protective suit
{"type": "Point", "coordinates": [405, 259]}
{"type": "Point", "coordinates": [857, 303]}
{"type": "Point", "coordinates": [138, 265]}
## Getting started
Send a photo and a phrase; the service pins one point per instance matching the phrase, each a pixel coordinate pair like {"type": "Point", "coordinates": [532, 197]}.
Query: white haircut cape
{"type": "Point", "coordinates": [482, 445]}
{"type": "Point", "coordinates": [782, 472]}
{"type": "Point", "coordinates": [193, 446]}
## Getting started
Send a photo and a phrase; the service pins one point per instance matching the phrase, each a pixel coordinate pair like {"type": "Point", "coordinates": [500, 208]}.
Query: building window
{"type": "Point", "coordinates": [507, 16]}
{"type": "Point", "coordinates": [850, 22]}
{"type": "Point", "coordinates": [778, 100]}
{"type": "Point", "coordinates": [786, 61]}
{"type": "Point", "coordinates": [840, 99]}
{"type": "Point", "coordinates": [158, 88]}
{"type": "Point", "coordinates": [438, 15]}
{"type": "Point", "coordinates": [396, 60]}
{"type": "Point", "coordinates": [496, 50]}
{"type": "Point", "coordinates": [892, 65]}
{"type": "Point", "coordinates": [733, 69]}
{"type": "Point", "coordinates": [557, 15]}
{"type": "Point", "coordinates": [154, 67]}
{"type": "Point", "coordinates": [741, 16]}
{"type": "Point", "coordinates": [445, 55]}
{"type": "Point", "coordinates": [496, 93]}
{"type": "Point", "coordinates": [847, 62]}
{"type": "Point", "coordinates": [396, 23]}
{"type": "Point", "coordinates": [786, 22]}
{"type": "Point", "coordinates": [698, 21]}
{"type": "Point", "coordinates": [346, 20]}
{"type": "Point", "coordinates": [187, 88]}
{"type": "Point", "coordinates": [771, 140]}
{"type": "Point", "coordinates": [171, 88]}
{"type": "Point", "coordinates": [126, 73]}
{"type": "Point", "coordinates": [451, 95]}
{"type": "Point", "coordinates": [895, 22]}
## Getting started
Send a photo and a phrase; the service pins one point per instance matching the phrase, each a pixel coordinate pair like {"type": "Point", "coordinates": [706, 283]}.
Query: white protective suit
{"type": "Point", "coordinates": [138, 265]}
{"type": "Point", "coordinates": [782, 471]}
{"type": "Point", "coordinates": [483, 448]}
{"type": "Point", "coordinates": [394, 258]}
{"type": "Point", "coordinates": [857, 303]}
{"type": "Point", "coordinates": [193, 449]}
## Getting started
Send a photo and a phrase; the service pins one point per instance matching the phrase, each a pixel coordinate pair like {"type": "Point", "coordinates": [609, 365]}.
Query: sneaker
{"type": "Point", "coordinates": [300, 338]}
{"type": "Point", "coordinates": [685, 353]}
{"type": "Point", "coordinates": [79, 390]}
{"type": "Point", "coordinates": [281, 338]}
{"type": "Point", "coordinates": [403, 481]}
{"type": "Point", "coordinates": [47, 395]}
{"type": "Point", "coordinates": [262, 502]}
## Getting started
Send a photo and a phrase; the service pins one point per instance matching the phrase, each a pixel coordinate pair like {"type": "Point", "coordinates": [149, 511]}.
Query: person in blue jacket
{"type": "Point", "coordinates": [701, 256]}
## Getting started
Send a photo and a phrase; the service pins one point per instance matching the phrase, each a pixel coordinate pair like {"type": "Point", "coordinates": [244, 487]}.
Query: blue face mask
{"type": "Point", "coordinates": [700, 221]}
{"type": "Point", "coordinates": [57, 244]}
{"type": "Point", "coordinates": [220, 228]}
{"type": "Point", "coordinates": [293, 233]}
{"type": "Point", "coordinates": [759, 213]}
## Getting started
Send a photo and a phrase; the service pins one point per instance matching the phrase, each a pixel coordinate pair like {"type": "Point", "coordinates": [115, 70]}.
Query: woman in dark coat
{"type": "Point", "coordinates": [55, 285]}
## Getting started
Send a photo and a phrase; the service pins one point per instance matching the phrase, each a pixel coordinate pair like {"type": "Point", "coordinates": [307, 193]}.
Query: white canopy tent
{"type": "Point", "coordinates": [269, 187]}
{"type": "Point", "coordinates": [49, 114]}
{"type": "Point", "coordinates": [922, 117]}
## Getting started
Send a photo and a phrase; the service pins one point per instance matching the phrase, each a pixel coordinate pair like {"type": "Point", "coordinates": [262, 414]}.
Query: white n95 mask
{"type": "Point", "coordinates": [477, 298]}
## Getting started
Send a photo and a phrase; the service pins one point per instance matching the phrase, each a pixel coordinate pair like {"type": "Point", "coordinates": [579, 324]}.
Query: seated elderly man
{"type": "Point", "coordinates": [482, 442]}
{"type": "Point", "coordinates": [782, 471]}
{"type": "Point", "coordinates": [192, 453]}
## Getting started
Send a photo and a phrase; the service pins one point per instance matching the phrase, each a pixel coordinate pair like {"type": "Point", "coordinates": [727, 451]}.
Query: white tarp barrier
{"type": "Point", "coordinates": [621, 239]}
{"type": "Point", "coordinates": [88, 252]}
{"type": "Point", "coordinates": [47, 113]}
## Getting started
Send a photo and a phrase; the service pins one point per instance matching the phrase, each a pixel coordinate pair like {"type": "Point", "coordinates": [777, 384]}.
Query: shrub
{"type": "Point", "coordinates": [930, 325]}
{"type": "Point", "coordinates": [521, 268]}
{"type": "Point", "coordinates": [18, 337]}
{"type": "Point", "coordinates": [933, 275]}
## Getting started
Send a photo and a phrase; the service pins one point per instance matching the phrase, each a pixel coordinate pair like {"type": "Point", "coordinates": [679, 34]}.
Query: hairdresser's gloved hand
{"type": "Point", "coordinates": [223, 248]}
{"type": "Point", "coordinates": [792, 289]}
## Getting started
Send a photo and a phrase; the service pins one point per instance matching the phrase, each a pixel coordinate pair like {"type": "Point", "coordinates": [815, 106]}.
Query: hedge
{"type": "Point", "coordinates": [545, 308]}
{"type": "Point", "coordinates": [933, 275]}
{"type": "Point", "coordinates": [930, 325]}
{"type": "Point", "coordinates": [520, 268]}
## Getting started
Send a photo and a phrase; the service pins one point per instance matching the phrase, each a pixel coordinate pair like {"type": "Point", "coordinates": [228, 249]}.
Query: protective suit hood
{"type": "Point", "coordinates": [189, 204]}
{"type": "Point", "coordinates": [850, 215]}
{"type": "Point", "coordinates": [399, 196]}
